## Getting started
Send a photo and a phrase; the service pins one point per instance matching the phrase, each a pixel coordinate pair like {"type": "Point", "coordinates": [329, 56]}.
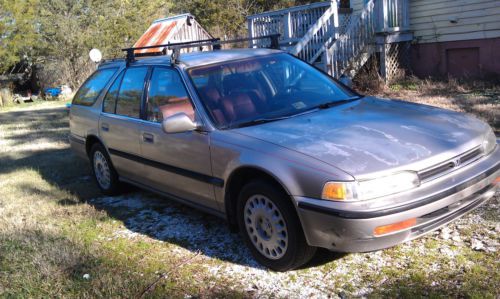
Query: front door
{"type": "Point", "coordinates": [119, 123]}
{"type": "Point", "coordinates": [179, 164]}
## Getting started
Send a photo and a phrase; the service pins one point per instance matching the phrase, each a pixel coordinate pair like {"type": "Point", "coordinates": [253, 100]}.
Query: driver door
{"type": "Point", "coordinates": [178, 164]}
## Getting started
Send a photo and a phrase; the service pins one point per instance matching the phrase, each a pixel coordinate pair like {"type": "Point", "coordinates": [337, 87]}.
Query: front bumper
{"type": "Point", "coordinates": [341, 227]}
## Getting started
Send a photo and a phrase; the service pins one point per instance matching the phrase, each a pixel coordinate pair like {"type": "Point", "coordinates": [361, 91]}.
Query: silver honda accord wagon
{"type": "Point", "coordinates": [291, 158]}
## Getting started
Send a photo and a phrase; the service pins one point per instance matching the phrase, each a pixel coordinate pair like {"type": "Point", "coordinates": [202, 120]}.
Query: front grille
{"type": "Point", "coordinates": [448, 166]}
{"type": "Point", "coordinates": [427, 174]}
{"type": "Point", "coordinates": [469, 157]}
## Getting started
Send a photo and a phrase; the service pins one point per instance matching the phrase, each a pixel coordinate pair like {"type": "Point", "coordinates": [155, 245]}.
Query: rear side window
{"type": "Point", "coordinates": [109, 105]}
{"type": "Point", "coordinates": [130, 94]}
{"type": "Point", "coordinates": [167, 95]}
{"type": "Point", "coordinates": [90, 90]}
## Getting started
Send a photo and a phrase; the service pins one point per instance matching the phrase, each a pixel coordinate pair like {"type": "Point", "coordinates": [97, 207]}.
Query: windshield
{"type": "Point", "coordinates": [247, 92]}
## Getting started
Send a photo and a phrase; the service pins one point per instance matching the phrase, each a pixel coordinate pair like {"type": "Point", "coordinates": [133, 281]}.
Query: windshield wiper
{"type": "Point", "coordinates": [336, 103]}
{"type": "Point", "coordinates": [266, 120]}
{"type": "Point", "coordinates": [259, 121]}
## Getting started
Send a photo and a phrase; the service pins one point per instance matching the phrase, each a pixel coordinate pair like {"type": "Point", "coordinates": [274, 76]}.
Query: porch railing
{"type": "Point", "coordinates": [291, 23]}
{"type": "Point", "coordinates": [392, 15]}
{"type": "Point", "coordinates": [358, 36]}
{"type": "Point", "coordinates": [319, 37]}
{"type": "Point", "coordinates": [313, 31]}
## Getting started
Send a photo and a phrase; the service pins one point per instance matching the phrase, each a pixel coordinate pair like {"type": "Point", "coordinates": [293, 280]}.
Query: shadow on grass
{"type": "Point", "coordinates": [141, 212]}
{"type": "Point", "coordinates": [34, 263]}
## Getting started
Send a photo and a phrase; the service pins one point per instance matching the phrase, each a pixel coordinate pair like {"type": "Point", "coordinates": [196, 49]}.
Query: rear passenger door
{"type": "Point", "coordinates": [120, 121]}
{"type": "Point", "coordinates": [179, 164]}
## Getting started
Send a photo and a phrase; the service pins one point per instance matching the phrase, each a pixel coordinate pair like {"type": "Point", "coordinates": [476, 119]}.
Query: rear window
{"type": "Point", "coordinates": [90, 90]}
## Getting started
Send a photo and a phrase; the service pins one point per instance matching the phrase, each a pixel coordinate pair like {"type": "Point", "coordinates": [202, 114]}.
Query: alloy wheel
{"type": "Point", "coordinates": [266, 227]}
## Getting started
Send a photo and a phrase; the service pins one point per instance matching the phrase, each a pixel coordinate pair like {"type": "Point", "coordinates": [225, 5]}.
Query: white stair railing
{"type": "Point", "coordinates": [319, 36]}
{"type": "Point", "coordinates": [358, 36]}
{"type": "Point", "coordinates": [292, 24]}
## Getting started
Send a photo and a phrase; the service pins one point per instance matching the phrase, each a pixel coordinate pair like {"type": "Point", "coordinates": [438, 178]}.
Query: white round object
{"type": "Point", "coordinates": [95, 55]}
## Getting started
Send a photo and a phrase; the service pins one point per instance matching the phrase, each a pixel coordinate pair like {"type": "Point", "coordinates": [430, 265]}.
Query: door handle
{"type": "Point", "coordinates": [147, 137]}
{"type": "Point", "coordinates": [105, 127]}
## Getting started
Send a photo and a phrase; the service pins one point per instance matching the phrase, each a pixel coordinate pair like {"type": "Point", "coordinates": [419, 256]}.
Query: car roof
{"type": "Point", "coordinates": [197, 58]}
{"type": "Point", "coordinates": [204, 58]}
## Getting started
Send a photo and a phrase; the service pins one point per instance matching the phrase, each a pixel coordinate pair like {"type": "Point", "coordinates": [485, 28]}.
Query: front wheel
{"type": "Point", "coordinates": [270, 227]}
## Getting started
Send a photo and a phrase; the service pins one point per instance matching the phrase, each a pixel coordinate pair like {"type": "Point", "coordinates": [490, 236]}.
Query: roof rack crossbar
{"type": "Point", "coordinates": [273, 37]}
{"type": "Point", "coordinates": [216, 44]}
{"type": "Point", "coordinates": [171, 44]}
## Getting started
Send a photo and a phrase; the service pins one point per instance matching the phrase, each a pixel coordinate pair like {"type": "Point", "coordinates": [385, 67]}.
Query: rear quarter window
{"type": "Point", "coordinates": [90, 90]}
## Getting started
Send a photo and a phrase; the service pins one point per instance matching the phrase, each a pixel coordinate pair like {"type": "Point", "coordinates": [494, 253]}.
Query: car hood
{"type": "Point", "coordinates": [373, 135]}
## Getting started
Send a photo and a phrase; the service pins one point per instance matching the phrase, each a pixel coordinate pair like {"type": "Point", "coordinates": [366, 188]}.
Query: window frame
{"type": "Point", "coordinates": [183, 82]}
{"type": "Point", "coordinates": [105, 88]}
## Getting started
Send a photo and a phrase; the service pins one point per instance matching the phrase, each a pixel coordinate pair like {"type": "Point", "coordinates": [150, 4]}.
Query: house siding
{"type": "Point", "coordinates": [450, 20]}
{"type": "Point", "coordinates": [454, 20]}
{"type": "Point", "coordinates": [453, 37]}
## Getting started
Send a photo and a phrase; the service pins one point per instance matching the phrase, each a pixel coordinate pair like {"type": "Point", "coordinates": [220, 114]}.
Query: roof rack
{"type": "Point", "coordinates": [216, 44]}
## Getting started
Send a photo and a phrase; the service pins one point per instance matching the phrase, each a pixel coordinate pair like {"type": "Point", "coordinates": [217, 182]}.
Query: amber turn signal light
{"type": "Point", "coordinates": [496, 181]}
{"type": "Point", "coordinates": [335, 191]}
{"type": "Point", "coordinates": [390, 228]}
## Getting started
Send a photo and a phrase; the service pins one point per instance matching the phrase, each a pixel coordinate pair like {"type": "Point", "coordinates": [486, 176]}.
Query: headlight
{"type": "Point", "coordinates": [489, 142]}
{"type": "Point", "coordinates": [395, 183]}
{"type": "Point", "coordinates": [368, 189]}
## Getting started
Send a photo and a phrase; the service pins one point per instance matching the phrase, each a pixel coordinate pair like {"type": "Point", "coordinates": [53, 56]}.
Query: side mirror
{"type": "Point", "coordinates": [178, 123]}
{"type": "Point", "coordinates": [347, 81]}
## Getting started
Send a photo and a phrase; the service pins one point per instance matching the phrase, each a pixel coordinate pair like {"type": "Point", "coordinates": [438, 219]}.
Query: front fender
{"type": "Point", "coordinates": [298, 174]}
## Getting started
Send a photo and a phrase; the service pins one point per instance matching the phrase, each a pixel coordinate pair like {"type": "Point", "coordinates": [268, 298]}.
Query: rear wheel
{"type": "Point", "coordinates": [103, 171]}
{"type": "Point", "coordinates": [270, 227]}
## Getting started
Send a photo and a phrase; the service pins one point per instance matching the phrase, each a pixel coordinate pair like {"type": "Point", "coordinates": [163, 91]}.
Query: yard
{"type": "Point", "coordinates": [59, 237]}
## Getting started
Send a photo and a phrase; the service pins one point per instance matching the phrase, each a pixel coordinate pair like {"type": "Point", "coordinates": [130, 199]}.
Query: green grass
{"type": "Point", "coordinates": [50, 237]}
{"type": "Point", "coordinates": [38, 104]}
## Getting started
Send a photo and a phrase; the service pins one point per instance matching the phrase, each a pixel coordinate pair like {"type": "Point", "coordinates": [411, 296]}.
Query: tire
{"type": "Point", "coordinates": [103, 171]}
{"type": "Point", "coordinates": [270, 227]}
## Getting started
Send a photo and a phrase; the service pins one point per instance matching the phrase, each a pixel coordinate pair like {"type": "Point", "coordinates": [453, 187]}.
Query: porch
{"type": "Point", "coordinates": [338, 37]}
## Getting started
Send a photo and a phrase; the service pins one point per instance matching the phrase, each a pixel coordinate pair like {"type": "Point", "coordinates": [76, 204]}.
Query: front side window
{"type": "Point", "coordinates": [167, 95]}
{"type": "Point", "coordinates": [128, 102]}
{"type": "Point", "coordinates": [249, 91]}
{"type": "Point", "coordinates": [90, 90]}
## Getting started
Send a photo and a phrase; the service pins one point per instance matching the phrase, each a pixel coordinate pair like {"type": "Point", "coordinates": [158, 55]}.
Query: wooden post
{"type": "Point", "coordinates": [406, 14]}
{"type": "Point", "coordinates": [379, 14]}
{"type": "Point", "coordinates": [250, 32]}
{"type": "Point", "coordinates": [385, 15]}
{"type": "Point", "coordinates": [383, 61]}
{"type": "Point", "coordinates": [287, 24]}
{"type": "Point", "coordinates": [335, 23]}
